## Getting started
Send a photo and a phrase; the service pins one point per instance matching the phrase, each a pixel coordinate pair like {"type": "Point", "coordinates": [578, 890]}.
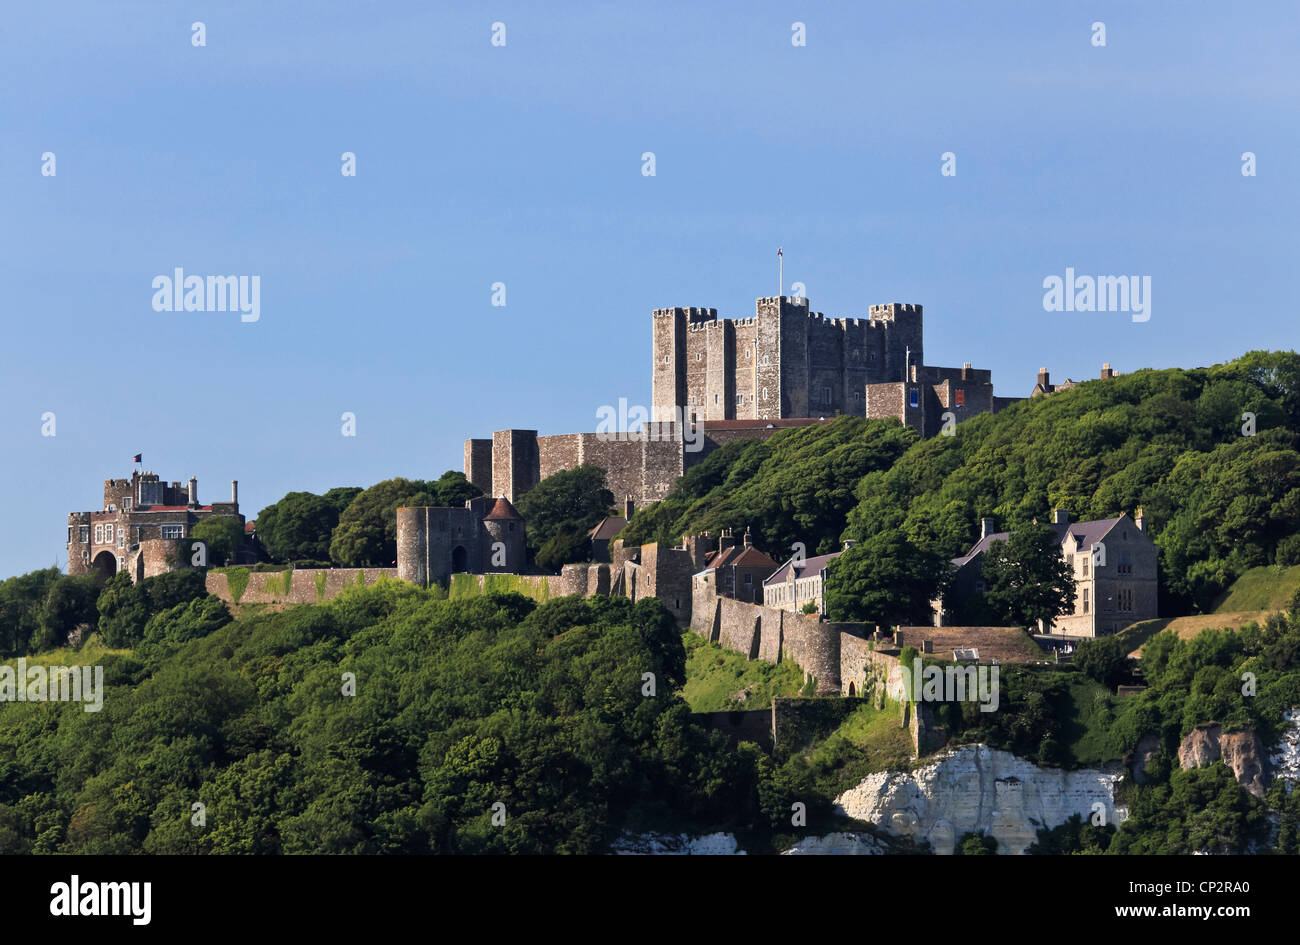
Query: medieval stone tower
{"type": "Point", "coordinates": [784, 362]}
{"type": "Point", "coordinates": [484, 537]}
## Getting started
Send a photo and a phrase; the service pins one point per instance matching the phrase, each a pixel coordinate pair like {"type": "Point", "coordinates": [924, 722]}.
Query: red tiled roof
{"type": "Point", "coordinates": [503, 509]}
{"type": "Point", "coordinates": [170, 508]}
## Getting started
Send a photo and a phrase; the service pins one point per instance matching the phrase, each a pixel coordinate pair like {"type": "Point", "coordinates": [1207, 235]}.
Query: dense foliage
{"type": "Point", "coordinates": [300, 525]}
{"type": "Point", "coordinates": [224, 537]}
{"type": "Point", "coordinates": [366, 534]}
{"type": "Point", "coordinates": [796, 487]}
{"type": "Point", "coordinates": [1171, 441]}
{"type": "Point", "coordinates": [40, 609]}
{"type": "Point", "coordinates": [560, 510]}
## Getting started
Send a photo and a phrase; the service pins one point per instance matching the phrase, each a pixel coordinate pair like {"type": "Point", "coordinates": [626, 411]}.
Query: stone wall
{"type": "Point", "coordinates": [865, 671]}
{"type": "Point", "coordinates": [306, 585]}
{"type": "Point", "coordinates": [995, 644]}
{"type": "Point", "coordinates": [771, 635]}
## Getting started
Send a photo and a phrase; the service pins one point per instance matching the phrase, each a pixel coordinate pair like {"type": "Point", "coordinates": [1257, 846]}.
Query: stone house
{"type": "Point", "coordinates": [736, 571]}
{"type": "Point", "coordinates": [798, 582]}
{"type": "Point", "coordinates": [141, 527]}
{"type": "Point", "coordinates": [1114, 563]}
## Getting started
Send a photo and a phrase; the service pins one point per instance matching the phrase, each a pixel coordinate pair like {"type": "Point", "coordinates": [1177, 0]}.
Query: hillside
{"type": "Point", "coordinates": [1170, 441]}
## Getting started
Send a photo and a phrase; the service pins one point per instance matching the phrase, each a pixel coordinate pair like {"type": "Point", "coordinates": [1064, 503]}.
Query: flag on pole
{"type": "Point", "coordinates": [138, 457]}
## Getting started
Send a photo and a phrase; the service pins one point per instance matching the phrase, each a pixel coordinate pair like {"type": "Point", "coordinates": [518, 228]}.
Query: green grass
{"type": "Point", "coordinates": [237, 579]}
{"type": "Point", "coordinates": [714, 676]}
{"type": "Point", "coordinates": [464, 586]}
{"type": "Point", "coordinates": [1093, 743]}
{"type": "Point", "coordinates": [320, 585]}
{"type": "Point", "coordinates": [91, 652]}
{"type": "Point", "coordinates": [869, 740]}
{"type": "Point", "coordinates": [1269, 587]}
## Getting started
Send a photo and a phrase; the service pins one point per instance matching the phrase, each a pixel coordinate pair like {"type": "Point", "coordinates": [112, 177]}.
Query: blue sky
{"type": "Point", "coordinates": [522, 164]}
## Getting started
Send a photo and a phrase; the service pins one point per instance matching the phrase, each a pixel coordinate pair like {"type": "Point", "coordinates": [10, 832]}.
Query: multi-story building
{"type": "Point", "coordinates": [1113, 561]}
{"type": "Point", "coordinates": [140, 526]}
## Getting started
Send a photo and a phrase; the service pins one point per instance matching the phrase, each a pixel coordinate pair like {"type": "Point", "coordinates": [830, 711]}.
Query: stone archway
{"type": "Point", "coordinates": [852, 691]}
{"type": "Point", "coordinates": [104, 565]}
{"type": "Point", "coordinates": [459, 560]}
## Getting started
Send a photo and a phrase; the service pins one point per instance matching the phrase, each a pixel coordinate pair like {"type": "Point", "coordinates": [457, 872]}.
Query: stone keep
{"type": "Point", "coordinates": [484, 537]}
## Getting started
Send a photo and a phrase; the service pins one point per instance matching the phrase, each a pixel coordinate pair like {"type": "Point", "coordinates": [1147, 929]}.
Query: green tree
{"type": "Point", "coordinates": [224, 536]}
{"type": "Point", "coordinates": [1104, 659]}
{"type": "Point", "coordinates": [886, 580]}
{"type": "Point", "coordinates": [568, 545]}
{"type": "Point", "coordinates": [1026, 578]}
{"type": "Point", "coordinates": [22, 599]}
{"type": "Point", "coordinates": [366, 534]}
{"type": "Point", "coordinates": [573, 499]}
{"type": "Point", "coordinates": [976, 843]}
{"type": "Point", "coordinates": [300, 526]}
{"type": "Point", "coordinates": [69, 607]}
{"type": "Point", "coordinates": [125, 608]}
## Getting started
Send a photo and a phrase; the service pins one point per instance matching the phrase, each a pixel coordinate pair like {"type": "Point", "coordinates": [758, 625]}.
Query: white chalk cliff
{"type": "Point", "coordinates": [977, 788]}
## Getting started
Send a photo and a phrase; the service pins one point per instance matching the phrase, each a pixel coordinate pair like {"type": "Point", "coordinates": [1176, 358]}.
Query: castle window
{"type": "Point", "coordinates": [826, 395]}
{"type": "Point", "coordinates": [913, 398]}
{"type": "Point", "coordinates": [698, 356]}
{"type": "Point", "coordinates": [1085, 600]}
{"type": "Point", "coordinates": [1086, 559]}
{"type": "Point", "coordinates": [121, 537]}
{"type": "Point", "coordinates": [99, 534]}
{"type": "Point", "coordinates": [740, 400]}
{"type": "Point", "coordinates": [85, 534]}
{"type": "Point", "coordinates": [959, 397]}
{"type": "Point", "coordinates": [857, 396]}
{"type": "Point", "coordinates": [173, 531]}
{"type": "Point", "coordinates": [1126, 600]}
{"type": "Point", "coordinates": [665, 359]}
{"type": "Point", "coordinates": [746, 354]}
{"type": "Point", "coordinates": [121, 562]}
{"type": "Point", "coordinates": [765, 393]}
{"type": "Point", "coordinates": [126, 503]}
{"type": "Point", "coordinates": [766, 360]}
{"type": "Point", "coordinates": [715, 398]}
{"type": "Point", "coordinates": [871, 356]}
{"type": "Point", "coordinates": [1125, 564]}
{"type": "Point", "coordinates": [69, 534]}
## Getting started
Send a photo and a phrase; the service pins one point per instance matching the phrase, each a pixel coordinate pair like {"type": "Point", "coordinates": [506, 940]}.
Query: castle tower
{"type": "Point", "coordinates": [516, 464]}
{"type": "Point", "coordinates": [902, 325]}
{"type": "Point", "coordinates": [504, 527]}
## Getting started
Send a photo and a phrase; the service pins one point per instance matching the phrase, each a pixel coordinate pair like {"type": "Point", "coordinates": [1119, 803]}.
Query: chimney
{"type": "Point", "coordinates": [1140, 518]}
{"type": "Point", "coordinates": [987, 527]}
{"type": "Point", "coordinates": [1060, 517]}
{"type": "Point", "coordinates": [965, 370]}
{"type": "Point", "coordinates": [748, 539]}
{"type": "Point", "coordinates": [725, 540]}
{"type": "Point", "coordinates": [628, 508]}
{"type": "Point", "coordinates": [234, 491]}
{"type": "Point", "coordinates": [1043, 378]}
{"type": "Point", "coordinates": [194, 491]}
{"type": "Point", "coordinates": [1106, 372]}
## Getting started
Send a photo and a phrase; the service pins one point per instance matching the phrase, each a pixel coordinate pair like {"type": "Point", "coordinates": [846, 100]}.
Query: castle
{"type": "Point", "coordinates": [747, 378]}
{"type": "Point", "coordinates": [141, 525]}
{"type": "Point", "coordinates": [484, 537]}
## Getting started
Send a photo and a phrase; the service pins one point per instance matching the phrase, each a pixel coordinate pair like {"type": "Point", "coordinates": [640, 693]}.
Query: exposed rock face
{"type": "Point", "coordinates": [1285, 761]}
{"type": "Point", "coordinates": [1147, 746]}
{"type": "Point", "coordinates": [840, 844]}
{"type": "Point", "coordinates": [1243, 752]}
{"type": "Point", "coordinates": [976, 788]}
{"type": "Point", "coordinates": [665, 844]}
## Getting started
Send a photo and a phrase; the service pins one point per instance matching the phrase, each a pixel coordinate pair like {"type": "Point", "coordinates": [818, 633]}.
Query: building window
{"type": "Point", "coordinates": [126, 502]}
{"type": "Point", "coordinates": [121, 562]}
{"type": "Point", "coordinates": [746, 354]}
{"type": "Point", "coordinates": [99, 534]}
{"type": "Point", "coordinates": [749, 580]}
{"type": "Point", "coordinates": [1085, 600]}
{"type": "Point", "coordinates": [1086, 559]}
{"type": "Point", "coordinates": [698, 356]}
{"type": "Point", "coordinates": [1126, 600]}
{"type": "Point", "coordinates": [85, 534]}
{"type": "Point", "coordinates": [121, 537]}
{"type": "Point", "coordinates": [69, 534]}
{"type": "Point", "coordinates": [765, 361]}
{"type": "Point", "coordinates": [913, 398]}
{"type": "Point", "coordinates": [857, 396]}
{"type": "Point", "coordinates": [715, 398]}
{"type": "Point", "coordinates": [765, 393]}
{"type": "Point", "coordinates": [740, 400]}
{"type": "Point", "coordinates": [1125, 563]}
{"type": "Point", "coordinates": [173, 531]}
{"type": "Point", "coordinates": [871, 356]}
{"type": "Point", "coordinates": [665, 359]}
{"type": "Point", "coordinates": [826, 395]}
{"type": "Point", "coordinates": [960, 397]}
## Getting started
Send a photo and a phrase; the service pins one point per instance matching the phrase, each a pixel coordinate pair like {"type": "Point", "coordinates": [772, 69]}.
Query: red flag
{"type": "Point", "coordinates": [137, 457]}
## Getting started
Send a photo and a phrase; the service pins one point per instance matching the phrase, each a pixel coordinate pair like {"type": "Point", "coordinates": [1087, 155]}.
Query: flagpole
{"type": "Point", "coordinates": [780, 272]}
